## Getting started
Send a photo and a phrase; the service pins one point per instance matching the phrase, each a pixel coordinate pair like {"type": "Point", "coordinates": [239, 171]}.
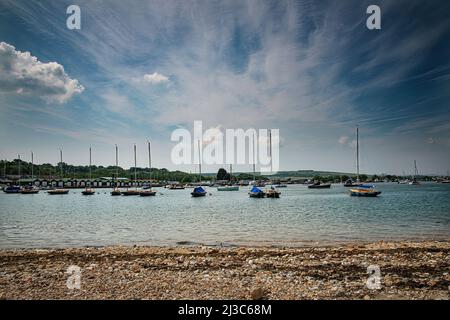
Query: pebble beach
{"type": "Point", "coordinates": [407, 270]}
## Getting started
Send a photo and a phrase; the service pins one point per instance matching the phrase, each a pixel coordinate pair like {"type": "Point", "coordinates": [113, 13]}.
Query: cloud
{"type": "Point", "coordinates": [156, 78]}
{"type": "Point", "coordinates": [23, 74]}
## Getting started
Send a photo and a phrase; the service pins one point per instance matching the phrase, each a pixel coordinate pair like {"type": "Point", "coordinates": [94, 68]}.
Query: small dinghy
{"type": "Point", "coordinates": [88, 192]}
{"type": "Point", "coordinates": [272, 193]}
{"type": "Point", "coordinates": [29, 190]}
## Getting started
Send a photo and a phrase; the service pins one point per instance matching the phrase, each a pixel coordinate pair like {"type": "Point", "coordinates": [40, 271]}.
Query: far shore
{"type": "Point", "coordinates": [407, 270]}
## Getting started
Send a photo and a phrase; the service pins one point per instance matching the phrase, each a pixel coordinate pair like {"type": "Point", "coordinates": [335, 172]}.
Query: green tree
{"type": "Point", "coordinates": [222, 174]}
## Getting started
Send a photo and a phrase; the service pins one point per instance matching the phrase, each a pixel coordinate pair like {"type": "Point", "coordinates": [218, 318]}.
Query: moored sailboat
{"type": "Point", "coordinates": [364, 191]}
{"type": "Point", "coordinates": [31, 189]}
{"type": "Point", "coordinates": [256, 192]}
{"type": "Point", "coordinates": [148, 191]}
{"type": "Point", "coordinates": [199, 191]}
{"type": "Point", "coordinates": [116, 190]}
{"type": "Point", "coordinates": [57, 191]}
{"type": "Point", "coordinates": [13, 188]}
{"type": "Point", "coordinates": [416, 173]}
{"type": "Point", "coordinates": [318, 185]}
{"type": "Point", "coordinates": [132, 192]}
{"type": "Point", "coordinates": [88, 191]}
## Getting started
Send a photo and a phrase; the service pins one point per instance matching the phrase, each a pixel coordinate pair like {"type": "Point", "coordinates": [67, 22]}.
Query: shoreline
{"type": "Point", "coordinates": [300, 244]}
{"type": "Point", "coordinates": [408, 270]}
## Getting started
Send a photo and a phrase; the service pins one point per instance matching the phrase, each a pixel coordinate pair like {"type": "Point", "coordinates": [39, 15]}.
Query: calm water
{"type": "Point", "coordinates": [300, 216]}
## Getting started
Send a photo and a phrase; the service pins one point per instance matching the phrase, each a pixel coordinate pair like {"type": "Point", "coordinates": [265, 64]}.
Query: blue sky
{"type": "Point", "coordinates": [139, 69]}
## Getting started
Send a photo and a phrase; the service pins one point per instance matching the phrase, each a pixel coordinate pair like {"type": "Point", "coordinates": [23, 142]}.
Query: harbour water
{"type": "Point", "coordinates": [301, 216]}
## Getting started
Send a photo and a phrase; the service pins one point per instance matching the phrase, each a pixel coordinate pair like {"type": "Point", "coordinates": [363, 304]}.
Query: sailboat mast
{"type": "Point", "coordinates": [19, 168]}
{"type": "Point", "coordinates": [32, 166]}
{"type": "Point", "coordinates": [270, 150]}
{"type": "Point", "coordinates": [135, 173]}
{"type": "Point", "coordinates": [231, 172]}
{"type": "Point", "coordinates": [117, 165]}
{"type": "Point", "coordinates": [253, 147]}
{"type": "Point", "coordinates": [90, 164]}
{"type": "Point", "coordinates": [150, 163]}
{"type": "Point", "coordinates": [416, 173]}
{"type": "Point", "coordinates": [199, 162]}
{"type": "Point", "coordinates": [357, 153]}
{"type": "Point", "coordinates": [61, 160]}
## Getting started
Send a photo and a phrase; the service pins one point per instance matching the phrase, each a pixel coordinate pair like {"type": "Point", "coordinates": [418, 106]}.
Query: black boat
{"type": "Point", "coordinates": [11, 189]}
{"type": "Point", "coordinates": [147, 193]}
{"type": "Point", "coordinates": [88, 192]}
{"type": "Point", "coordinates": [350, 183]}
{"type": "Point", "coordinates": [319, 185]}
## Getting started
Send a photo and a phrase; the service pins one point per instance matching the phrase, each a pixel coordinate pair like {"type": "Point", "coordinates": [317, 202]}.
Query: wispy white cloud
{"type": "Point", "coordinates": [156, 78]}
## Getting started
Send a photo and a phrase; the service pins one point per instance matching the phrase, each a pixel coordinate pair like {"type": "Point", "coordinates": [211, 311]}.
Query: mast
{"type": "Point", "coordinates": [90, 164]}
{"type": "Point", "coordinates": [357, 154]}
{"type": "Point", "coordinates": [253, 147]}
{"type": "Point", "coordinates": [270, 150]}
{"type": "Point", "coordinates": [32, 166]}
{"type": "Point", "coordinates": [231, 173]}
{"type": "Point", "coordinates": [19, 168]}
{"type": "Point", "coordinates": [61, 161]}
{"type": "Point", "coordinates": [135, 173]}
{"type": "Point", "coordinates": [416, 172]}
{"type": "Point", "coordinates": [117, 166]}
{"type": "Point", "coordinates": [4, 169]}
{"type": "Point", "coordinates": [199, 163]}
{"type": "Point", "coordinates": [150, 163]}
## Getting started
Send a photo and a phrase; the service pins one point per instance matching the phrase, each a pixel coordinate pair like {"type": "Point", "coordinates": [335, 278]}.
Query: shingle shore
{"type": "Point", "coordinates": [408, 270]}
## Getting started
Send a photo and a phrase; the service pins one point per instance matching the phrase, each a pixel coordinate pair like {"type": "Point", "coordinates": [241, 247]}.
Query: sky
{"type": "Point", "coordinates": [138, 70]}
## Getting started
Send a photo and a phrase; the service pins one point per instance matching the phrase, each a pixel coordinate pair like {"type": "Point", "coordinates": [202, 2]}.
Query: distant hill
{"type": "Point", "coordinates": [309, 174]}
{"type": "Point", "coordinates": [293, 174]}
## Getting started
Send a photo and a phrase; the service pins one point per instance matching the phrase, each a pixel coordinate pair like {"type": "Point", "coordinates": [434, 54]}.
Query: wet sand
{"type": "Point", "coordinates": [408, 270]}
